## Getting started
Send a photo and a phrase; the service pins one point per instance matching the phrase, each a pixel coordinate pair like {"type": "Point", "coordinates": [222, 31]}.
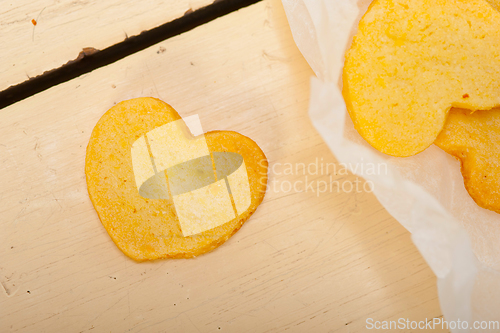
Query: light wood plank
{"type": "Point", "coordinates": [303, 262]}
{"type": "Point", "coordinates": [64, 27]}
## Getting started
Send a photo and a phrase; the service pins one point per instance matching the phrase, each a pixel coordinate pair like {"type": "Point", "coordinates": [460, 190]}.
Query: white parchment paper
{"type": "Point", "coordinates": [425, 193]}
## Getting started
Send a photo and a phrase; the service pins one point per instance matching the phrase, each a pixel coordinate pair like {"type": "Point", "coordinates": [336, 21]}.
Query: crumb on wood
{"type": "Point", "coordinates": [86, 51]}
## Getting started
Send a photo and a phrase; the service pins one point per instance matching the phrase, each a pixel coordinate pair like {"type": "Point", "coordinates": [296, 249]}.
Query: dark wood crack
{"type": "Point", "coordinates": [90, 59]}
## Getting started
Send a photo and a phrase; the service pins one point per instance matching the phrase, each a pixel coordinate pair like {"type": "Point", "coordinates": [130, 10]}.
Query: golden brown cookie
{"type": "Point", "coordinates": [412, 60]}
{"type": "Point", "coordinates": [474, 138]}
{"type": "Point", "coordinates": [147, 229]}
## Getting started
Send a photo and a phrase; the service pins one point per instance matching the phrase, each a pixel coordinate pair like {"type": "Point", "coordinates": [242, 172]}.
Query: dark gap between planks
{"type": "Point", "coordinates": [90, 59]}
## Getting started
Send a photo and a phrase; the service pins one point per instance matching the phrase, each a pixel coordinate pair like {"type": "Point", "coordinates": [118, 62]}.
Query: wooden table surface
{"type": "Point", "coordinates": [38, 35]}
{"type": "Point", "coordinates": [304, 262]}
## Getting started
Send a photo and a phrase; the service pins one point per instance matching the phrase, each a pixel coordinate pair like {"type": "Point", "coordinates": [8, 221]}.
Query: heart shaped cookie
{"type": "Point", "coordinates": [148, 219]}
{"type": "Point", "coordinates": [412, 60]}
{"type": "Point", "coordinates": [474, 138]}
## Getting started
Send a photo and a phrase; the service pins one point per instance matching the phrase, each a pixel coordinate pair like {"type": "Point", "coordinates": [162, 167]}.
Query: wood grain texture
{"type": "Point", "coordinates": [64, 27]}
{"type": "Point", "coordinates": [303, 263]}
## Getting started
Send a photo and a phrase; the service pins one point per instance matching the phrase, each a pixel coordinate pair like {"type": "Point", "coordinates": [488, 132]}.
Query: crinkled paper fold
{"type": "Point", "coordinates": [425, 193]}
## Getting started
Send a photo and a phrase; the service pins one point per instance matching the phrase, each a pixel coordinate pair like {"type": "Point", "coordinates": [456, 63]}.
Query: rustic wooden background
{"type": "Point", "coordinates": [303, 263]}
